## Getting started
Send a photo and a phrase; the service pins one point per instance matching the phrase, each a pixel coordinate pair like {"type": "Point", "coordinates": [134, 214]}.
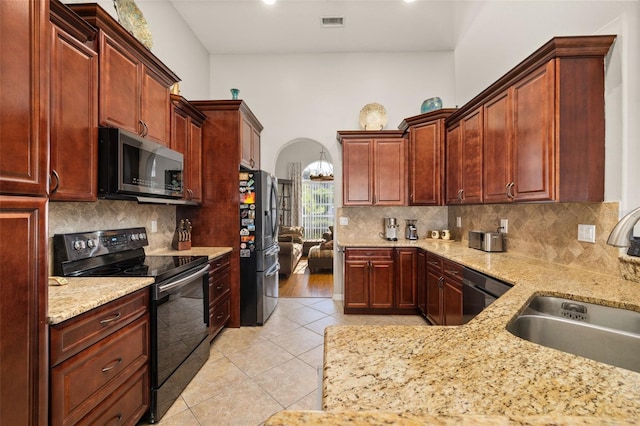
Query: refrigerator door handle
{"type": "Point", "coordinates": [273, 270]}
{"type": "Point", "coordinates": [275, 249]}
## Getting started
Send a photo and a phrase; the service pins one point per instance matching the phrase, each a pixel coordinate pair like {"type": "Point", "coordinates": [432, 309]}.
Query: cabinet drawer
{"type": "Point", "coordinates": [126, 405]}
{"type": "Point", "coordinates": [434, 262]}
{"type": "Point", "coordinates": [85, 379]}
{"type": "Point", "coordinates": [74, 335]}
{"type": "Point", "coordinates": [368, 254]}
{"type": "Point", "coordinates": [217, 264]}
{"type": "Point", "coordinates": [219, 315]}
{"type": "Point", "coordinates": [452, 270]}
{"type": "Point", "coordinates": [219, 286]}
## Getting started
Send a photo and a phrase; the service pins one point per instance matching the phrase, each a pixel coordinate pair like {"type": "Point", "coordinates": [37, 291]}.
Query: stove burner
{"type": "Point", "coordinates": [102, 272]}
{"type": "Point", "coordinates": [138, 270]}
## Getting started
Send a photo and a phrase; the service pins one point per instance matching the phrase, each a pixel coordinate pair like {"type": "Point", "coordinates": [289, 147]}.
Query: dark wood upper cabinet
{"type": "Point", "coordinates": [426, 159]}
{"type": "Point", "coordinates": [24, 104]}
{"type": "Point", "coordinates": [134, 84]}
{"type": "Point", "coordinates": [542, 126]}
{"type": "Point", "coordinates": [74, 107]}
{"type": "Point", "coordinates": [464, 159]}
{"type": "Point", "coordinates": [186, 137]}
{"type": "Point", "coordinates": [374, 168]}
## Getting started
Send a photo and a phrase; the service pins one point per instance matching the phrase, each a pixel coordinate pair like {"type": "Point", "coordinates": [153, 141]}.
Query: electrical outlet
{"type": "Point", "coordinates": [504, 224]}
{"type": "Point", "coordinates": [344, 220]}
{"type": "Point", "coordinates": [587, 233]}
{"type": "Point", "coordinates": [154, 226]}
{"type": "Point", "coordinates": [458, 222]}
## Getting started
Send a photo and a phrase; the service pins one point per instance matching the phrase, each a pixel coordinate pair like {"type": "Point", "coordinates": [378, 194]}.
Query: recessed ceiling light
{"type": "Point", "coordinates": [409, 1]}
{"type": "Point", "coordinates": [268, 1]}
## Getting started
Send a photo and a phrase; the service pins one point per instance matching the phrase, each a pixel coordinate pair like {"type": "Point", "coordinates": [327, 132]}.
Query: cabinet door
{"type": "Point", "coordinates": [389, 169]}
{"type": "Point", "coordinates": [498, 120]}
{"type": "Point", "coordinates": [155, 107]}
{"type": "Point", "coordinates": [356, 283]}
{"type": "Point", "coordinates": [357, 172]}
{"type": "Point", "coordinates": [426, 164]}
{"type": "Point", "coordinates": [381, 284]}
{"type": "Point", "coordinates": [250, 145]}
{"type": "Point", "coordinates": [452, 301]}
{"type": "Point", "coordinates": [24, 99]}
{"type": "Point", "coordinates": [434, 303]}
{"type": "Point", "coordinates": [74, 119]}
{"type": "Point", "coordinates": [194, 162]}
{"type": "Point", "coordinates": [472, 158]}
{"type": "Point", "coordinates": [119, 87]}
{"type": "Point", "coordinates": [533, 136]}
{"type": "Point", "coordinates": [421, 281]}
{"type": "Point", "coordinates": [453, 160]}
{"type": "Point", "coordinates": [23, 310]}
{"type": "Point", "coordinates": [407, 281]}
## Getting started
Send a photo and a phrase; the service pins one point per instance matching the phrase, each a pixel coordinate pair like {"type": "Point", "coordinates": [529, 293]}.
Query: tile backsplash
{"type": "Point", "coordinates": [69, 217]}
{"type": "Point", "coordinates": [368, 222]}
{"type": "Point", "coordinates": [547, 231]}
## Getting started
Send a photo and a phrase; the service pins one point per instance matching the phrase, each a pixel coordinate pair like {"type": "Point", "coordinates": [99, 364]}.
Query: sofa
{"type": "Point", "coordinates": [290, 240]}
{"type": "Point", "coordinates": [321, 255]}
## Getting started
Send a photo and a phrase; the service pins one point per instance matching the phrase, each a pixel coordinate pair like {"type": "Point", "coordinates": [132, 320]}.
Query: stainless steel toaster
{"type": "Point", "coordinates": [487, 241]}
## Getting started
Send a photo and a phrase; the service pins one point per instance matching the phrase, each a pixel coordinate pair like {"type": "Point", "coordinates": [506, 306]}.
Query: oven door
{"type": "Point", "coordinates": [179, 331]}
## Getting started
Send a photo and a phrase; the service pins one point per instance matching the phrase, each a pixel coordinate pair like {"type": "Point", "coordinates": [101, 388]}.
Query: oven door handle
{"type": "Point", "coordinates": [172, 285]}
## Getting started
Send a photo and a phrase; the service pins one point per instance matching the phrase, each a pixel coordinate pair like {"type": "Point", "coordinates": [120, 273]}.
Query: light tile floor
{"type": "Point", "coordinates": [254, 372]}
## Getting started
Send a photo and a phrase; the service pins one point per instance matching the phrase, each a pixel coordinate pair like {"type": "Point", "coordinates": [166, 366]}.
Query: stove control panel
{"type": "Point", "coordinates": [84, 245]}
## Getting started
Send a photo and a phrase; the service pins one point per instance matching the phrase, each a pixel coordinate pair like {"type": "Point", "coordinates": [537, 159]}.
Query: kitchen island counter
{"type": "Point", "coordinates": [480, 369]}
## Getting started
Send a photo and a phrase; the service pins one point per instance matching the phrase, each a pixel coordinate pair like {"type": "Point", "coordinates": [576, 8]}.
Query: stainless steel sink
{"type": "Point", "coordinates": [602, 333]}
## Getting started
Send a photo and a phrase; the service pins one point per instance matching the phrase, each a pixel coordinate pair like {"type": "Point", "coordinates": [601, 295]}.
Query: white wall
{"type": "Point", "coordinates": [173, 43]}
{"type": "Point", "coordinates": [313, 96]}
{"type": "Point", "coordinates": [504, 33]}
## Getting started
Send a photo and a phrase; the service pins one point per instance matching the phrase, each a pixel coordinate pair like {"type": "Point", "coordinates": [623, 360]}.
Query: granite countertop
{"type": "Point", "coordinates": [81, 295]}
{"type": "Point", "coordinates": [463, 374]}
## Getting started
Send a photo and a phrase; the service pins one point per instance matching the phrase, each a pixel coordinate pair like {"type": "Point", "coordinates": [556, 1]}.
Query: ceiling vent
{"type": "Point", "coordinates": [332, 22]}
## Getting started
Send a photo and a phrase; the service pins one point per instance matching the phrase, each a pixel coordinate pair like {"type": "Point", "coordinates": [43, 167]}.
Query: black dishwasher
{"type": "Point", "coordinates": [478, 292]}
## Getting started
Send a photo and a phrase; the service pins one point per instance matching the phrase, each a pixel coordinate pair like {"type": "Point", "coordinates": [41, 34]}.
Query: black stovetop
{"type": "Point", "coordinates": [116, 253]}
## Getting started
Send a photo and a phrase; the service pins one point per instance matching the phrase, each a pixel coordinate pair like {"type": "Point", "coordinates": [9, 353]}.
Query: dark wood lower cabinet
{"type": "Point", "coordinates": [23, 310]}
{"type": "Point", "coordinates": [219, 292]}
{"type": "Point", "coordinates": [380, 281]}
{"type": "Point", "coordinates": [100, 364]}
{"type": "Point", "coordinates": [443, 288]}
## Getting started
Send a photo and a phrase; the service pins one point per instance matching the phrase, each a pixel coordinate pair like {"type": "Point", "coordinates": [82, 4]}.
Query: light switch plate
{"type": "Point", "coordinates": [587, 233]}
{"type": "Point", "coordinates": [344, 220]}
{"type": "Point", "coordinates": [154, 226]}
{"type": "Point", "coordinates": [458, 222]}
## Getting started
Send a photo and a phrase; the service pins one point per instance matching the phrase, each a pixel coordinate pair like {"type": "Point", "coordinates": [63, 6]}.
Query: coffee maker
{"type": "Point", "coordinates": [390, 228]}
{"type": "Point", "coordinates": [411, 231]}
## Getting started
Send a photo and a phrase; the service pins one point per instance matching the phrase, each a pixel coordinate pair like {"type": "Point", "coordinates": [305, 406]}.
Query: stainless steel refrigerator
{"type": "Point", "coordinates": [258, 246]}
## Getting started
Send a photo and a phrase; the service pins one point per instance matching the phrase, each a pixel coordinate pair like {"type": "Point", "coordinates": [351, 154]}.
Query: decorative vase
{"type": "Point", "coordinates": [431, 104]}
{"type": "Point", "coordinates": [235, 93]}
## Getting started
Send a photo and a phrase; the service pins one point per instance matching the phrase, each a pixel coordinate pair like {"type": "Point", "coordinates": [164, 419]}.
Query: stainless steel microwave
{"type": "Point", "coordinates": [130, 167]}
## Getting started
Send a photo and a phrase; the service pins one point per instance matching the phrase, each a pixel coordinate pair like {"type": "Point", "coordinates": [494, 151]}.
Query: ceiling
{"type": "Point", "coordinates": [294, 26]}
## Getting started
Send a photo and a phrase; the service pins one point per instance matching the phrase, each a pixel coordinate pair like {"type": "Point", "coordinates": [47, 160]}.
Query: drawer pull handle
{"type": "Point", "coordinates": [452, 271]}
{"type": "Point", "coordinates": [220, 287]}
{"type": "Point", "coordinates": [220, 315]}
{"type": "Point", "coordinates": [117, 419]}
{"type": "Point", "coordinates": [111, 318]}
{"type": "Point", "coordinates": [113, 365]}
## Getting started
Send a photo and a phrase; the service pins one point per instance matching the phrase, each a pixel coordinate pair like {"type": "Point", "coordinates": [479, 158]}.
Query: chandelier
{"type": "Point", "coordinates": [324, 170]}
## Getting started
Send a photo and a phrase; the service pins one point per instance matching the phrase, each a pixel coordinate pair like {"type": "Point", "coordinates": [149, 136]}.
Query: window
{"type": "Point", "coordinates": [317, 204]}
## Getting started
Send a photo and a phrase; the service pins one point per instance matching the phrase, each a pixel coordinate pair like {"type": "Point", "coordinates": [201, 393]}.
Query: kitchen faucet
{"type": "Point", "coordinates": [623, 231]}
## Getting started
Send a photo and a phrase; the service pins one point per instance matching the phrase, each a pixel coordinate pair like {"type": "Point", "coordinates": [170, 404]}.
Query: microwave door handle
{"type": "Point", "coordinates": [182, 281]}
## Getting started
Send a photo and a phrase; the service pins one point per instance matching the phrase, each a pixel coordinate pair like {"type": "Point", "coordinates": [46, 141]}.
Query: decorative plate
{"type": "Point", "coordinates": [373, 116]}
{"type": "Point", "coordinates": [132, 19]}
